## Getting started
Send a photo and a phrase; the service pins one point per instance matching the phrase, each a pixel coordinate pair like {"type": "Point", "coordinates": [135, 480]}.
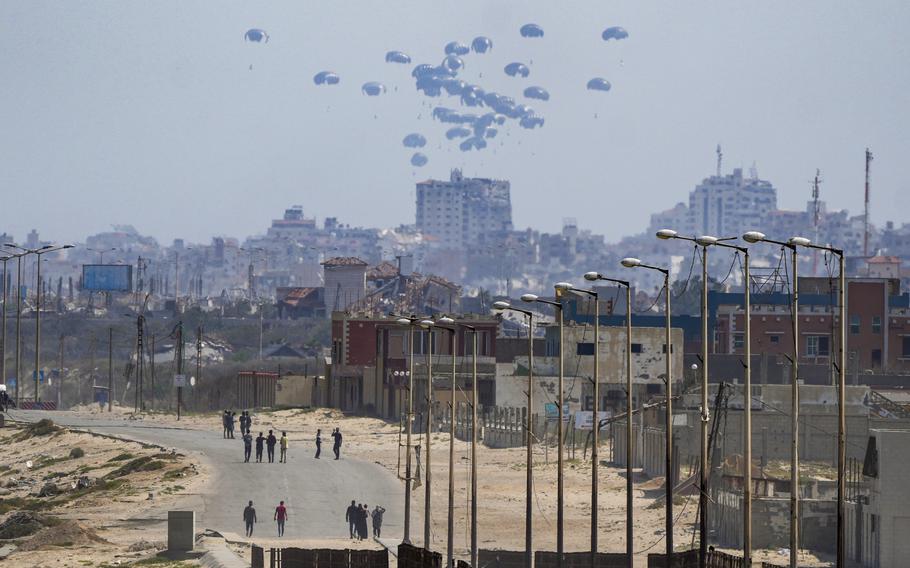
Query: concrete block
{"type": "Point", "coordinates": [181, 531]}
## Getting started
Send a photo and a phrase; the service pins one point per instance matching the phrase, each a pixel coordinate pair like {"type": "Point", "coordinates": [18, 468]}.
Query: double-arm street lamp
{"type": "Point", "coordinates": [592, 277]}
{"type": "Point", "coordinates": [560, 289]}
{"type": "Point", "coordinates": [529, 488]}
{"type": "Point", "coordinates": [38, 252]}
{"type": "Point", "coordinates": [4, 260]}
{"type": "Point", "coordinates": [101, 253]}
{"type": "Point", "coordinates": [411, 322]}
{"type": "Point", "coordinates": [841, 557]}
{"type": "Point", "coordinates": [793, 242]}
{"type": "Point", "coordinates": [18, 257]}
{"type": "Point", "coordinates": [704, 242]}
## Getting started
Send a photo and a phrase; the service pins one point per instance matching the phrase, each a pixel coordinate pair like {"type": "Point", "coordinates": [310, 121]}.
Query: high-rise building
{"type": "Point", "coordinates": [455, 214]}
{"type": "Point", "coordinates": [728, 205]}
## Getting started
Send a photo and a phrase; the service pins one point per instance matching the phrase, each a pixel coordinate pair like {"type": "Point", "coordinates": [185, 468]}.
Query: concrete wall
{"type": "Point", "coordinates": [344, 285]}
{"type": "Point", "coordinates": [889, 500]}
{"type": "Point", "coordinates": [298, 390]}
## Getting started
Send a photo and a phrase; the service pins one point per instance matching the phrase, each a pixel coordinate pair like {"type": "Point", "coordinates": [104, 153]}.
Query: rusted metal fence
{"type": "Point", "coordinates": [319, 558]}
{"type": "Point", "coordinates": [415, 557]}
{"type": "Point", "coordinates": [689, 559]}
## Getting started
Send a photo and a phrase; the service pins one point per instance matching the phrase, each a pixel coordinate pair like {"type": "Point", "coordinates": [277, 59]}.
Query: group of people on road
{"type": "Point", "coordinates": [280, 517]}
{"type": "Point", "coordinates": [356, 516]}
{"type": "Point", "coordinates": [336, 442]}
{"type": "Point", "coordinates": [229, 418]}
{"type": "Point", "coordinates": [268, 443]}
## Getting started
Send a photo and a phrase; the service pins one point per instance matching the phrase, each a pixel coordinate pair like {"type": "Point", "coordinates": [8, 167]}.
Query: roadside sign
{"type": "Point", "coordinates": [180, 381]}
{"type": "Point", "coordinates": [584, 419]}
{"type": "Point", "coordinates": [552, 411]}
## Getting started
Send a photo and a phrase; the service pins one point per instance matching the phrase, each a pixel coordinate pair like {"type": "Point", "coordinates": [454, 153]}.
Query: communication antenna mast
{"type": "Point", "coordinates": [720, 159]}
{"type": "Point", "coordinates": [866, 215]}
{"type": "Point", "coordinates": [816, 217]}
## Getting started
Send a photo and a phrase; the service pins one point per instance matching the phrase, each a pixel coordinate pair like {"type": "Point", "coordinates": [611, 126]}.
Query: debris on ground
{"type": "Point", "coordinates": [24, 523]}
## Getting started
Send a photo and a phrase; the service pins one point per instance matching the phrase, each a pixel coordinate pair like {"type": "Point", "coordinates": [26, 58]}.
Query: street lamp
{"type": "Point", "coordinates": [411, 322]}
{"type": "Point", "coordinates": [37, 252]}
{"type": "Point", "coordinates": [4, 259]}
{"type": "Point", "coordinates": [18, 257]}
{"type": "Point", "coordinates": [596, 419]}
{"type": "Point", "coordinates": [593, 277]}
{"type": "Point", "coordinates": [448, 324]}
{"type": "Point", "coordinates": [704, 242]}
{"type": "Point", "coordinates": [101, 253]}
{"type": "Point", "coordinates": [754, 237]}
{"type": "Point", "coordinates": [427, 324]}
{"type": "Point", "coordinates": [841, 364]}
{"type": "Point", "coordinates": [560, 289]}
{"type": "Point", "coordinates": [529, 532]}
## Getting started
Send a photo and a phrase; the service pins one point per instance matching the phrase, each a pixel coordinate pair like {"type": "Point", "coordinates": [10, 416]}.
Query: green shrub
{"type": "Point", "coordinates": [77, 453]}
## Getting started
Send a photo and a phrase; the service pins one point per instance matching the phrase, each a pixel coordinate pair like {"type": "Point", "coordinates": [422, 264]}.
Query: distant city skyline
{"type": "Point", "coordinates": [149, 114]}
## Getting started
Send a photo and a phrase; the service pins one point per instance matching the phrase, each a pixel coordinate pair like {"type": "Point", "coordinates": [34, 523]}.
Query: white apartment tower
{"type": "Point", "coordinates": [455, 213]}
{"type": "Point", "coordinates": [724, 206]}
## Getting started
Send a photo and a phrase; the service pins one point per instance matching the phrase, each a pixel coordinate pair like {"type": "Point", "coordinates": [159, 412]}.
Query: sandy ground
{"type": "Point", "coordinates": [104, 525]}
{"type": "Point", "coordinates": [501, 488]}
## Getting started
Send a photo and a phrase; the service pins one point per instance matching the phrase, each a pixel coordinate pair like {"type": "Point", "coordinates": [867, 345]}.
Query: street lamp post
{"type": "Point", "coordinates": [101, 253]}
{"type": "Point", "coordinates": [411, 322]}
{"type": "Point", "coordinates": [791, 243]}
{"type": "Point", "coordinates": [428, 324]}
{"type": "Point", "coordinates": [560, 288]}
{"type": "Point", "coordinates": [595, 276]}
{"type": "Point", "coordinates": [448, 324]}
{"type": "Point", "coordinates": [704, 242]}
{"type": "Point", "coordinates": [4, 259]}
{"type": "Point", "coordinates": [841, 558]}
{"type": "Point", "coordinates": [529, 481]}
{"type": "Point", "coordinates": [18, 257]}
{"type": "Point", "coordinates": [43, 250]}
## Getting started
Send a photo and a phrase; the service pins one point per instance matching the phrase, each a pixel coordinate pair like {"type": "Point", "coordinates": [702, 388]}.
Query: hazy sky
{"type": "Point", "coordinates": [148, 113]}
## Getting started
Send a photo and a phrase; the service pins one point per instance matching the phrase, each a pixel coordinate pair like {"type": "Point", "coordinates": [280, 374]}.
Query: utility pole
{"type": "Point", "coordinates": [474, 433]}
{"type": "Point", "coordinates": [110, 368]}
{"type": "Point", "coordinates": [93, 346]}
{"type": "Point", "coordinates": [179, 354]}
{"type": "Point", "coordinates": [38, 331]}
{"type": "Point", "coordinates": [18, 324]}
{"type": "Point", "coordinates": [5, 259]}
{"type": "Point", "coordinates": [60, 376]}
{"type": "Point", "coordinates": [198, 361]}
{"type": "Point", "coordinates": [816, 218]}
{"type": "Point", "coordinates": [866, 213]}
{"type": "Point", "coordinates": [152, 370]}
{"type": "Point", "coordinates": [139, 362]}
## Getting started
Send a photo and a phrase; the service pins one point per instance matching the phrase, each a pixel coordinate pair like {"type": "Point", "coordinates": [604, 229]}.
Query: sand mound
{"type": "Point", "coordinates": [66, 533]}
{"type": "Point", "coordinates": [23, 523]}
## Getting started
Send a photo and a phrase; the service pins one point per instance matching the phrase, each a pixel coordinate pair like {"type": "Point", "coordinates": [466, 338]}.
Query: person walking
{"type": "Point", "coordinates": [283, 443]}
{"type": "Point", "coordinates": [231, 420]}
{"type": "Point", "coordinates": [336, 446]}
{"type": "Point", "coordinates": [249, 421]}
{"type": "Point", "coordinates": [242, 423]}
{"type": "Point", "coordinates": [248, 447]}
{"type": "Point", "coordinates": [270, 446]}
{"type": "Point", "coordinates": [249, 517]}
{"type": "Point", "coordinates": [318, 442]}
{"type": "Point", "coordinates": [362, 522]}
{"type": "Point", "coordinates": [281, 516]}
{"type": "Point", "coordinates": [259, 441]}
{"type": "Point", "coordinates": [224, 422]}
{"type": "Point", "coordinates": [351, 517]}
{"type": "Point", "coordinates": [377, 521]}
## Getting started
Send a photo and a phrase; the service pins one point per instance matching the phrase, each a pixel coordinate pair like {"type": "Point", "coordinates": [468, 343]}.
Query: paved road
{"type": "Point", "coordinates": [317, 492]}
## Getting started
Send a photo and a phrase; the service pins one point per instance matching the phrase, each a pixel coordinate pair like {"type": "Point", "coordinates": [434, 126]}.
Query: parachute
{"type": "Point", "coordinates": [474, 142]}
{"type": "Point", "coordinates": [397, 57]}
{"type": "Point", "coordinates": [615, 32]}
{"type": "Point", "coordinates": [538, 93]}
{"type": "Point", "coordinates": [419, 160]}
{"type": "Point", "coordinates": [456, 48]}
{"type": "Point", "coordinates": [515, 69]}
{"type": "Point", "coordinates": [531, 121]}
{"type": "Point", "coordinates": [373, 89]}
{"type": "Point", "coordinates": [414, 140]}
{"type": "Point", "coordinates": [326, 78]}
{"type": "Point", "coordinates": [531, 30]}
{"type": "Point", "coordinates": [453, 63]}
{"type": "Point", "coordinates": [481, 44]}
{"type": "Point", "coordinates": [256, 35]}
{"type": "Point", "coordinates": [599, 84]}
{"type": "Point", "coordinates": [457, 132]}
